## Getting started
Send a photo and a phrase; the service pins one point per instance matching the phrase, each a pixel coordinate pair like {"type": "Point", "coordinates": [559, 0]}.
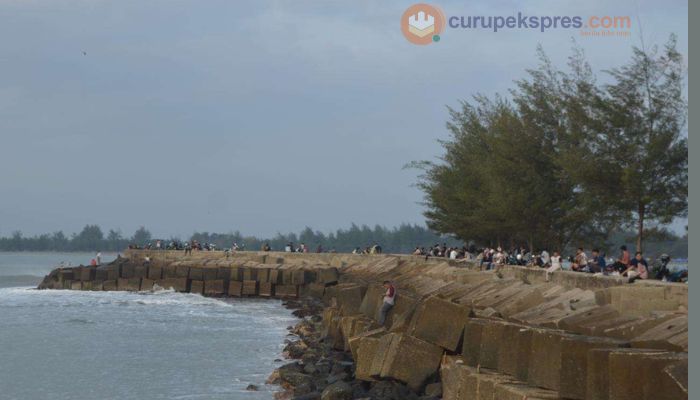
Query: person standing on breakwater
{"type": "Point", "coordinates": [388, 303]}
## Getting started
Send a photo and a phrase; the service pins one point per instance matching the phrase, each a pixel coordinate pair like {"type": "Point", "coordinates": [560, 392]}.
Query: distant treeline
{"type": "Point", "coordinates": [401, 239]}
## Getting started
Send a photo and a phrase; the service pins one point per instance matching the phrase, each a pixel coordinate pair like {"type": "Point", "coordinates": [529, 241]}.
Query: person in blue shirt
{"type": "Point", "coordinates": [597, 262]}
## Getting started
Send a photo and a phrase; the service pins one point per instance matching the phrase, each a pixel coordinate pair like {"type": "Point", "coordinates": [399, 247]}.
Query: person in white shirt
{"type": "Point", "coordinates": [556, 265]}
{"type": "Point", "coordinates": [545, 257]}
{"type": "Point", "coordinates": [453, 254]}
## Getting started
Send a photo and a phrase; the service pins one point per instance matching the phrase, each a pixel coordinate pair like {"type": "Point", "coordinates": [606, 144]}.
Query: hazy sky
{"type": "Point", "coordinates": [250, 115]}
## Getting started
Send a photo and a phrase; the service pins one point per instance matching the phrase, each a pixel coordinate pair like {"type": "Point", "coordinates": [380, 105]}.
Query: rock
{"type": "Point", "coordinates": [434, 390]}
{"type": "Point", "coordinates": [251, 387]}
{"type": "Point", "coordinates": [308, 396]}
{"type": "Point", "coordinates": [390, 390]}
{"type": "Point", "coordinates": [337, 391]}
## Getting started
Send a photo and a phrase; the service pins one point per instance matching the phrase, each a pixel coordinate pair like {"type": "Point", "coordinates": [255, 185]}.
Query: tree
{"type": "Point", "coordinates": [142, 236]}
{"type": "Point", "coordinates": [90, 238]}
{"type": "Point", "coordinates": [643, 115]}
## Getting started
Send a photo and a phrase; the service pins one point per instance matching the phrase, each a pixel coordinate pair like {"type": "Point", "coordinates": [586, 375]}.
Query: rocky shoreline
{"type": "Point", "coordinates": [319, 372]}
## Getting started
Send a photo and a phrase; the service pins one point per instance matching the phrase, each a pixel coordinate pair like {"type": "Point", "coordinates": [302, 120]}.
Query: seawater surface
{"type": "Point", "coordinates": [58, 344]}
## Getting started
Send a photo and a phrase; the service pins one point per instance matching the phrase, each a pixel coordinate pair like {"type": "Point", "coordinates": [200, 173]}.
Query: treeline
{"type": "Point", "coordinates": [401, 239]}
{"type": "Point", "coordinates": [91, 238]}
{"type": "Point", "coordinates": [565, 160]}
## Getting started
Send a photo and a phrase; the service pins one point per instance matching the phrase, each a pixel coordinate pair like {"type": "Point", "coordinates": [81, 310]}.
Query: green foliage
{"type": "Point", "coordinates": [566, 160]}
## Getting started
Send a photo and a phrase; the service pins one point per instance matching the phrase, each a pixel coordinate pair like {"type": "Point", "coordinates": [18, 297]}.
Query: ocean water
{"type": "Point", "coordinates": [57, 344]}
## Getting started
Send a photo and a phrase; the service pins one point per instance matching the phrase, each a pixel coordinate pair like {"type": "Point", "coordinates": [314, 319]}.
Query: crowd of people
{"type": "Point", "coordinates": [633, 268]}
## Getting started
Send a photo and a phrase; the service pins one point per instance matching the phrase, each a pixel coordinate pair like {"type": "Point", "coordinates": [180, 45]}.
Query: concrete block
{"type": "Point", "coordinates": [263, 275]}
{"type": "Point", "coordinates": [210, 273]}
{"type": "Point", "coordinates": [381, 353]}
{"type": "Point", "coordinates": [275, 277]}
{"type": "Point", "coordinates": [576, 322]}
{"type": "Point", "coordinates": [545, 358]}
{"type": "Point", "coordinates": [439, 322]}
{"type": "Point", "coordinates": [224, 273]}
{"type": "Point", "coordinates": [249, 274]}
{"type": "Point", "coordinates": [327, 276]}
{"type": "Point", "coordinates": [660, 336]}
{"type": "Point", "coordinates": [87, 285]}
{"type": "Point", "coordinates": [147, 284]}
{"type": "Point", "coordinates": [155, 272]}
{"type": "Point", "coordinates": [471, 346]}
{"type": "Point", "coordinates": [250, 287]}
{"type": "Point", "coordinates": [574, 363]}
{"type": "Point", "coordinates": [411, 360]}
{"type": "Point", "coordinates": [316, 290]}
{"type": "Point", "coordinates": [287, 291]}
{"type": "Point", "coordinates": [140, 271]}
{"type": "Point", "coordinates": [214, 287]}
{"type": "Point", "coordinates": [76, 285]}
{"type": "Point", "coordinates": [182, 271]}
{"type": "Point", "coordinates": [453, 374]}
{"type": "Point", "coordinates": [520, 391]}
{"type": "Point", "coordinates": [177, 284]}
{"type": "Point", "coordinates": [127, 270]}
{"type": "Point", "coordinates": [131, 284]}
{"type": "Point", "coordinates": [197, 286]}
{"type": "Point", "coordinates": [110, 285]}
{"type": "Point", "coordinates": [514, 358]}
{"type": "Point", "coordinates": [639, 375]}
{"type": "Point", "coordinates": [267, 289]}
{"type": "Point", "coordinates": [113, 272]}
{"type": "Point", "coordinates": [87, 274]}
{"type": "Point", "coordinates": [169, 271]}
{"type": "Point", "coordinates": [235, 288]}
{"type": "Point", "coordinates": [100, 274]}
{"type": "Point", "coordinates": [196, 274]}
{"type": "Point", "coordinates": [366, 348]}
{"type": "Point", "coordinates": [349, 299]}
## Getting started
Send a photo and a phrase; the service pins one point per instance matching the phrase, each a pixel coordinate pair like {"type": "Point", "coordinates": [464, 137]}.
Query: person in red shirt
{"type": "Point", "coordinates": [388, 303]}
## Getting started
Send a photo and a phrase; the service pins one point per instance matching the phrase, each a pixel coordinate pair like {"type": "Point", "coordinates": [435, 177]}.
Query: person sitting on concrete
{"type": "Point", "coordinates": [555, 261]}
{"type": "Point", "coordinates": [388, 303]}
{"type": "Point", "coordinates": [597, 263]}
{"type": "Point", "coordinates": [660, 268]}
{"type": "Point", "coordinates": [638, 268]}
{"type": "Point", "coordinates": [622, 263]}
{"type": "Point", "coordinates": [580, 263]}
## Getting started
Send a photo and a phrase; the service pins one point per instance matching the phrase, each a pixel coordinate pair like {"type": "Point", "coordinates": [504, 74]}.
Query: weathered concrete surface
{"type": "Point", "coordinates": [510, 335]}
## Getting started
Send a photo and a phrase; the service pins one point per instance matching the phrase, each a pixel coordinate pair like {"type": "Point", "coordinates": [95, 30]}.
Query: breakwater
{"type": "Point", "coordinates": [455, 330]}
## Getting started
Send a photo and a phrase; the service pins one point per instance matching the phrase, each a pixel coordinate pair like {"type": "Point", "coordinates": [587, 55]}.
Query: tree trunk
{"type": "Point", "coordinates": [640, 227]}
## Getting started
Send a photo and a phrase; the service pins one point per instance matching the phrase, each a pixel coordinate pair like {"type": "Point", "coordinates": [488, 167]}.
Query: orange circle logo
{"type": "Point", "coordinates": [422, 24]}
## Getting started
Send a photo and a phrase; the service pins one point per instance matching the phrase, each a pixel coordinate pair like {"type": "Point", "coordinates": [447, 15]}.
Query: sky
{"type": "Point", "coordinates": [261, 117]}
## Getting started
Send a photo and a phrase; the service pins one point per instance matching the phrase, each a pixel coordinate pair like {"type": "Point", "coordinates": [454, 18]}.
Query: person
{"type": "Point", "coordinates": [598, 262]}
{"type": "Point", "coordinates": [288, 248]}
{"type": "Point", "coordinates": [580, 261]}
{"type": "Point", "coordinates": [545, 258]}
{"type": "Point", "coordinates": [98, 258]}
{"type": "Point", "coordinates": [638, 268]}
{"type": "Point", "coordinates": [417, 251]}
{"type": "Point", "coordinates": [622, 263]}
{"type": "Point", "coordinates": [555, 261]}
{"type": "Point", "coordinates": [389, 297]}
{"type": "Point", "coordinates": [660, 268]}
{"type": "Point", "coordinates": [93, 262]}
{"type": "Point", "coordinates": [453, 254]}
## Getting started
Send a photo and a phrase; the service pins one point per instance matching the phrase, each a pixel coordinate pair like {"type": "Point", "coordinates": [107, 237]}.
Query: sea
{"type": "Point", "coordinates": [61, 344]}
